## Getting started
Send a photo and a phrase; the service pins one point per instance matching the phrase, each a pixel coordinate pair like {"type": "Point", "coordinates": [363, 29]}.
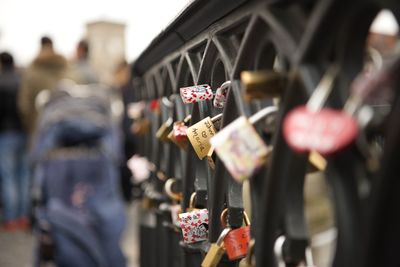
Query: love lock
{"type": "Point", "coordinates": [194, 224]}
{"type": "Point", "coordinates": [326, 131]}
{"type": "Point", "coordinates": [240, 147]}
{"type": "Point", "coordinates": [236, 242]}
{"type": "Point", "coordinates": [178, 133]}
{"type": "Point", "coordinates": [200, 133]}
{"type": "Point", "coordinates": [278, 250]}
{"type": "Point", "coordinates": [263, 84]}
{"type": "Point", "coordinates": [196, 93]}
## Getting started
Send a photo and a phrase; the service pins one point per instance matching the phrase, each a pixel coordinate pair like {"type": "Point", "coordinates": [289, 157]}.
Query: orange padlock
{"type": "Point", "coordinates": [236, 242]}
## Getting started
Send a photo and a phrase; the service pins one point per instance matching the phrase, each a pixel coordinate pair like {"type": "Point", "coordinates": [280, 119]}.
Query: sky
{"type": "Point", "coordinates": [23, 22]}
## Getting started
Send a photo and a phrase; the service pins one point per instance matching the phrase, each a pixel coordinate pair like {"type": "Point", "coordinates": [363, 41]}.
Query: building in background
{"type": "Point", "coordinates": [107, 47]}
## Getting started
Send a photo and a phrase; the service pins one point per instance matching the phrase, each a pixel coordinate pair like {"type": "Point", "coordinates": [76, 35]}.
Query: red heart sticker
{"type": "Point", "coordinates": [326, 131]}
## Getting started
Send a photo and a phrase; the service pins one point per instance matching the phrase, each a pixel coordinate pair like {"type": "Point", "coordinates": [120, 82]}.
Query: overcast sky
{"type": "Point", "coordinates": [23, 22]}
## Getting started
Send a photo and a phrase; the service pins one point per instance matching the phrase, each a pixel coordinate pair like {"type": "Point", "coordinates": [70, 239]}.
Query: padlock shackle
{"type": "Point", "coordinates": [224, 214]}
{"type": "Point", "coordinates": [222, 236]}
{"type": "Point", "coordinates": [225, 86]}
{"type": "Point", "coordinates": [216, 118]}
{"type": "Point", "coordinates": [187, 118]}
{"type": "Point", "coordinates": [323, 90]}
{"type": "Point", "coordinates": [168, 190]}
{"type": "Point", "coordinates": [167, 102]}
{"type": "Point", "coordinates": [262, 114]}
{"type": "Point", "coordinates": [192, 200]}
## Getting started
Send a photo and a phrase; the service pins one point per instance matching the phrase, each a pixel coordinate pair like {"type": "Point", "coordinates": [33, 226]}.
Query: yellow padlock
{"type": "Point", "coordinates": [216, 251]}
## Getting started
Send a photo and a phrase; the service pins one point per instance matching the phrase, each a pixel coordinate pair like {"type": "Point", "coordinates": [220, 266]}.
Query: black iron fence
{"type": "Point", "coordinates": [276, 54]}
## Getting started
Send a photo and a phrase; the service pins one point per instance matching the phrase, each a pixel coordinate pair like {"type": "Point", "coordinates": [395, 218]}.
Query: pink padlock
{"type": "Point", "coordinates": [196, 93]}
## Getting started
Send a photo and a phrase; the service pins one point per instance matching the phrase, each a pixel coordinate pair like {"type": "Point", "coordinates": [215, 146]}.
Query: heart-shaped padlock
{"type": "Point", "coordinates": [325, 131]}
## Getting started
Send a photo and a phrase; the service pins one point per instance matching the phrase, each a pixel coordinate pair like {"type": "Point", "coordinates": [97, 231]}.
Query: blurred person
{"type": "Point", "coordinates": [81, 69]}
{"type": "Point", "coordinates": [122, 81]}
{"type": "Point", "coordinates": [46, 70]}
{"type": "Point", "coordinates": [13, 164]}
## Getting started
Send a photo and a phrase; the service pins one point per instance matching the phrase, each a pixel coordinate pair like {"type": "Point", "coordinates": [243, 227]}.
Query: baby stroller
{"type": "Point", "coordinates": [79, 214]}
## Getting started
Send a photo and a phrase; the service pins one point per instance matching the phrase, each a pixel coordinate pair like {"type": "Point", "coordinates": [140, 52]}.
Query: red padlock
{"type": "Point", "coordinates": [236, 242]}
{"type": "Point", "coordinates": [179, 130]}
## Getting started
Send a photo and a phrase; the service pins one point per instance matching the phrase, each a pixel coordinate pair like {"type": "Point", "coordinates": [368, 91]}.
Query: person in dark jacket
{"type": "Point", "coordinates": [14, 175]}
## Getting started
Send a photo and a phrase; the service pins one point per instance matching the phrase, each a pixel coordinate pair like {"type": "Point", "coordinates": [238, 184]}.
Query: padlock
{"type": "Point", "coordinates": [155, 105]}
{"type": "Point", "coordinates": [194, 225]}
{"type": "Point", "coordinates": [196, 93]}
{"type": "Point", "coordinates": [263, 84]}
{"type": "Point", "coordinates": [194, 222]}
{"type": "Point", "coordinates": [278, 250]}
{"type": "Point", "coordinates": [135, 110]}
{"type": "Point", "coordinates": [221, 94]}
{"type": "Point", "coordinates": [141, 126]}
{"type": "Point", "coordinates": [240, 147]}
{"type": "Point", "coordinates": [178, 135]}
{"type": "Point", "coordinates": [248, 261]}
{"type": "Point", "coordinates": [200, 133]}
{"type": "Point", "coordinates": [236, 242]}
{"type": "Point", "coordinates": [148, 203]}
{"type": "Point", "coordinates": [308, 128]}
{"type": "Point", "coordinates": [164, 130]}
{"type": "Point", "coordinates": [216, 251]}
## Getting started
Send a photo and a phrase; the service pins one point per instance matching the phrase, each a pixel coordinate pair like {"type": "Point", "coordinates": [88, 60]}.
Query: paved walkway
{"type": "Point", "coordinates": [16, 248]}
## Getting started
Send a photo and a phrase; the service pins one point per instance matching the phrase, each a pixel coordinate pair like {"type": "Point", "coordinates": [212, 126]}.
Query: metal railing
{"type": "Point", "coordinates": [211, 42]}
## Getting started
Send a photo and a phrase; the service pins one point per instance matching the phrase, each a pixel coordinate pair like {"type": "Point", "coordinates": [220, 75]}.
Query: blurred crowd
{"type": "Point", "coordinates": [19, 91]}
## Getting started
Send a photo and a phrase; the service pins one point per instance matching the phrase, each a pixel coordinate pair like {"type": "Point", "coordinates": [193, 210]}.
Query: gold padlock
{"type": "Point", "coordinates": [148, 203]}
{"type": "Point", "coordinates": [141, 127]}
{"type": "Point", "coordinates": [200, 134]}
{"type": "Point", "coordinates": [164, 130]}
{"type": "Point", "coordinates": [248, 261]}
{"type": "Point", "coordinates": [216, 251]}
{"type": "Point", "coordinates": [263, 84]}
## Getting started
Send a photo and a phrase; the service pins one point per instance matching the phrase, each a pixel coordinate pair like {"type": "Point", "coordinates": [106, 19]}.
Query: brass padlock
{"type": "Point", "coordinates": [164, 130]}
{"type": "Point", "coordinates": [216, 251]}
{"type": "Point", "coordinates": [248, 261]}
{"type": "Point", "coordinates": [263, 84]}
{"type": "Point", "coordinates": [148, 203]}
{"type": "Point", "coordinates": [141, 127]}
{"type": "Point", "coordinates": [200, 134]}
